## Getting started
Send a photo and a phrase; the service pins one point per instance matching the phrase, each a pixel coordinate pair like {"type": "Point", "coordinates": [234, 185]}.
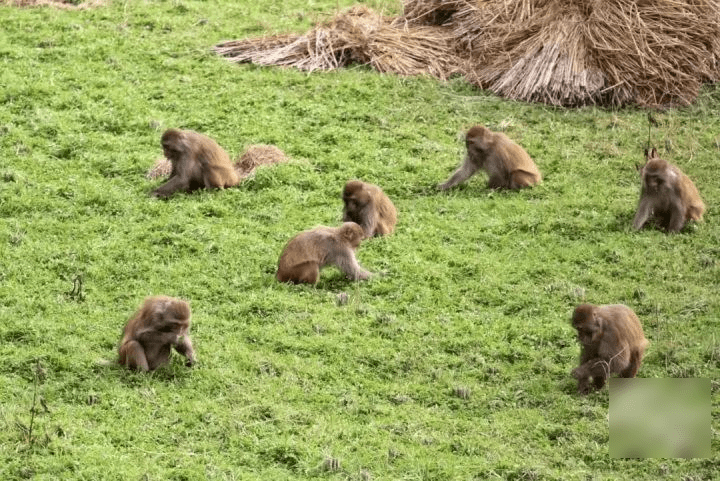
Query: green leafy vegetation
{"type": "Point", "coordinates": [452, 363]}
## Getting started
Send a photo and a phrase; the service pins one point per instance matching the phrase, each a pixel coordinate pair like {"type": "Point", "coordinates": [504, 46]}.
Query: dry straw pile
{"type": "Point", "coordinates": [358, 35]}
{"type": "Point", "coordinates": [562, 52]}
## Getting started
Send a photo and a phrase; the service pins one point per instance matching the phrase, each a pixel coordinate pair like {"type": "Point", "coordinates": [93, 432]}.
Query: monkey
{"type": "Point", "coordinates": [367, 205]}
{"type": "Point", "coordinates": [667, 195]}
{"type": "Point", "coordinates": [309, 251]}
{"type": "Point", "coordinates": [611, 340]}
{"type": "Point", "coordinates": [161, 323]}
{"type": "Point", "coordinates": [507, 164]}
{"type": "Point", "coordinates": [197, 162]}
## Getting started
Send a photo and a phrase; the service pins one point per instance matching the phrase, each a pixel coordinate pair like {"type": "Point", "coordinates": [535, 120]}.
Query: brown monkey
{"type": "Point", "coordinates": [667, 194]}
{"type": "Point", "coordinates": [612, 341]}
{"type": "Point", "coordinates": [367, 205]}
{"type": "Point", "coordinates": [506, 163]}
{"type": "Point", "coordinates": [197, 162]}
{"type": "Point", "coordinates": [161, 323]}
{"type": "Point", "coordinates": [309, 251]}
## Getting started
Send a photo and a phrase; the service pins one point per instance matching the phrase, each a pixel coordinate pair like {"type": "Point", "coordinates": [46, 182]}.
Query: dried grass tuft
{"type": "Point", "coordinates": [561, 52]}
{"type": "Point", "coordinates": [256, 156]}
{"type": "Point", "coordinates": [161, 168]}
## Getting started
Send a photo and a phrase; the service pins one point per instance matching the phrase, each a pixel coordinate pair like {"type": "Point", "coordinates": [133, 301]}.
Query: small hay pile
{"type": "Point", "coordinates": [357, 35]}
{"type": "Point", "coordinates": [651, 53]}
{"type": "Point", "coordinates": [257, 155]}
{"type": "Point", "coordinates": [161, 168]}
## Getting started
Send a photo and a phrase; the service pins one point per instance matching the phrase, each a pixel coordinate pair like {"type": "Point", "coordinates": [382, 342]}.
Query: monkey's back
{"type": "Point", "coordinates": [307, 246]}
{"type": "Point", "coordinates": [517, 159]}
{"type": "Point", "coordinates": [385, 208]}
{"type": "Point", "coordinates": [624, 326]}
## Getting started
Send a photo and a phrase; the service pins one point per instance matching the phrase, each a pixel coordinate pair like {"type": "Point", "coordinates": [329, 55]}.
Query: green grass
{"type": "Point", "coordinates": [476, 292]}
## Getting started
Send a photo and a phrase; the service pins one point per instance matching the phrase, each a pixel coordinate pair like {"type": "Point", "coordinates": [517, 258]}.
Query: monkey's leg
{"type": "Point", "coordinates": [520, 179]}
{"type": "Point", "coordinates": [467, 169]}
{"type": "Point", "coordinates": [184, 347]}
{"type": "Point", "coordinates": [132, 355]}
{"type": "Point", "coordinates": [308, 272]}
{"type": "Point", "coordinates": [173, 184]}
{"type": "Point", "coordinates": [677, 219]}
{"type": "Point", "coordinates": [633, 366]}
{"type": "Point", "coordinates": [498, 182]}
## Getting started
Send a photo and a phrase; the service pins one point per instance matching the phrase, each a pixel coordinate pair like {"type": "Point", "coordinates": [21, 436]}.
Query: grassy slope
{"type": "Point", "coordinates": [477, 291]}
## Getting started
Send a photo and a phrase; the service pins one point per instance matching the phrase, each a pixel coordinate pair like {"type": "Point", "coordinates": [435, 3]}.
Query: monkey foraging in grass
{"type": "Point", "coordinates": [507, 164]}
{"type": "Point", "coordinates": [160, 324]}
{"type": "Point", "coordinates": [367, 205]}
{"type": "Point", "coordinates": [309, 251]}
{"type": "Point", "coordinates": [611, 340]}
{"type": "Point", "coordinates": [668, 195]}
{"type": "Point", "coordinates": [197, 162]}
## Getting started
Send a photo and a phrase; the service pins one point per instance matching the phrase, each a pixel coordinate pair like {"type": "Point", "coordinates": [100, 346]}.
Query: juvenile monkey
{"type": "Point", "coordinates": [367, 205]}
{"type": "Point", "coordinates": [612, 341]}
{"type": "Point", "coordinates": [197, 162]}
{"type": "Point", "coordinates": [507, 164]}
{"type": "Point", "coordinates": [160, 324]}
{"type": "Point", "coordinates": [667, 194]}
{"type": "Point", "coordinates": [309, 251]}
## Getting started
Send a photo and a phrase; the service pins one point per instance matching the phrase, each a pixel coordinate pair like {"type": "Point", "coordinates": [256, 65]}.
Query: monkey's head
{"type": "Point", "coordinates": [173, 143]}
{"type": "Point", "coordinates": [657, 175]}
{"type": "Point", "coordinates": [355, 196]}
{"type": "Point", "coordinates": [589, 327]}
{"type": "Point", "coordinates": [171, 316]}
{"type": "Point", "coordinates": [352, 233]}
{"type": "Point", "coordinates": [477, 140]}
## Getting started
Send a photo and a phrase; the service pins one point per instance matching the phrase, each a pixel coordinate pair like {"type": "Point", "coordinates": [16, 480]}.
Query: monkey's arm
{"type": "Point", "coordinates": [368, 221]}
{"type": "Point", "coordinates": [467, 169]}
{"type": "Point", "coordinates": [184, 347]}
{"type": "Point", "coordinates": [133, 356]}
{"type": "Point", "coordinates": [350, 267]}
{"type": "Point", "coordinates": [173, 184]}
{"type": "Point", "coordinates": [643, 213]}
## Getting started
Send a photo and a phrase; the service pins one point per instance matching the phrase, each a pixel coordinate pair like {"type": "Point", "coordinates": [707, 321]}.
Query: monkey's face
{"type": "Point", "coordinates": [355, 202]}
{"type": "Point", "coordinates": [173, 327]}
{"type": "Point", "coordinates": [170, 151]}
{"type": "Point", "coordinates": [654, 181]}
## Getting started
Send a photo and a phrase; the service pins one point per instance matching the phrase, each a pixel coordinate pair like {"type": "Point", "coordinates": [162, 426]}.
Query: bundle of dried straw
{"type": "Point", "coordinates": [562, 52]}
{"type": "Point", "coordinates": [358, 35]}
{"type": "Point", "coordinates": [609, 52]}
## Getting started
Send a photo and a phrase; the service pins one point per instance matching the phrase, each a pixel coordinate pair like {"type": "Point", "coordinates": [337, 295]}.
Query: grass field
{"type": "Point", "coordinates": [452, 363]}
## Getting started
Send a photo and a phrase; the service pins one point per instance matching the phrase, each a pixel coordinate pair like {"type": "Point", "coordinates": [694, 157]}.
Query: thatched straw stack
{"type": "Point", "coordinates": [431, 12]}
{"type": "Point", "coordinates": [256, 156]}
{"type": "Point", "coordinates": [609, 52]}
{"type": "Point", "coordinates": [561, 52]}
{"type": "Point", "coordinates": [357, 35]}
